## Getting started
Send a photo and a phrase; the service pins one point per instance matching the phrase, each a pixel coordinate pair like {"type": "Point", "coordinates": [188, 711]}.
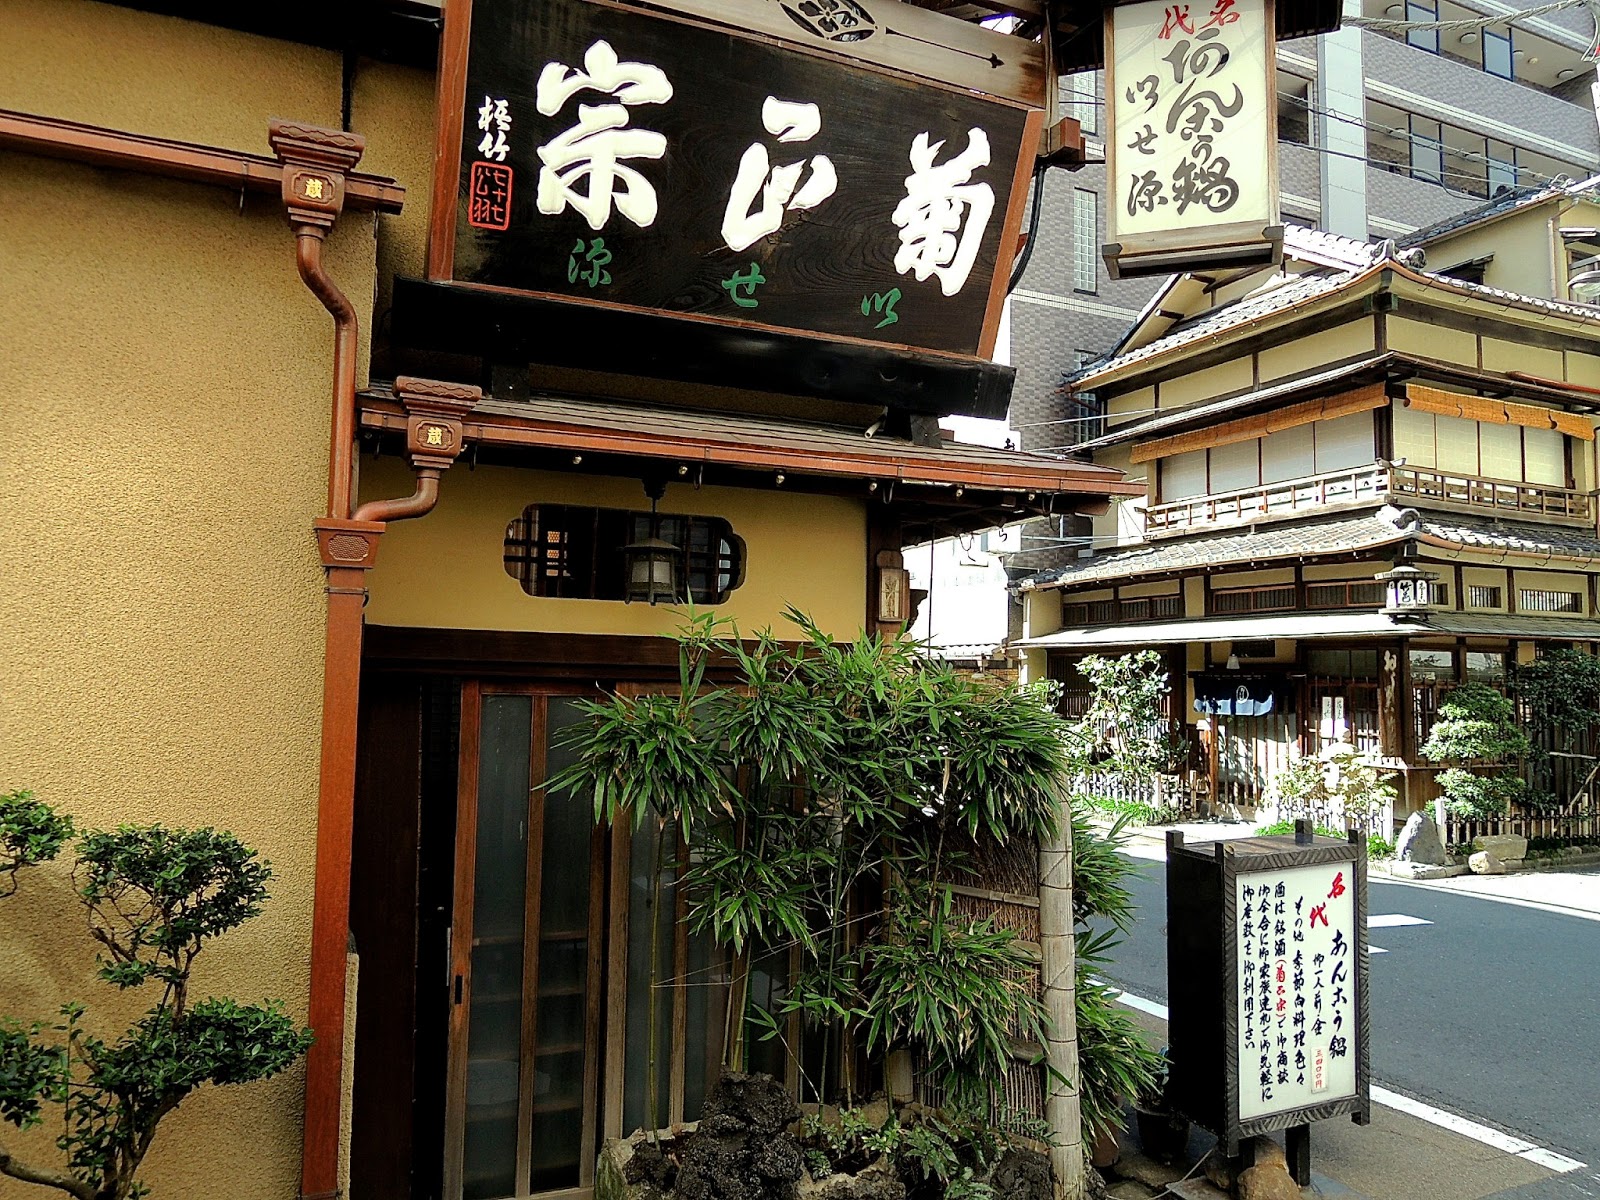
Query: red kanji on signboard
{"type": "Point", "coordinates": [1338, 887]}
{"type": "Point", "coordinates": [1221, 14]}
{"type": "Point", "coordinates": [1176, 17]}
{"type": "Point", "coordinates": [489, 196]}
{"type": "Point", "coordinates": [1319, 912]}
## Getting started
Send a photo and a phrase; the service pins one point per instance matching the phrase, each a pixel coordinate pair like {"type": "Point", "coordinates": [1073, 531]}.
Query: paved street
{"type": "Point", "coordinates": [1481, 1008]}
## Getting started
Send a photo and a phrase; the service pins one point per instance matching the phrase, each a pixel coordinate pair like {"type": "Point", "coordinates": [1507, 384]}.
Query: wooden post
{"type": "Point", "coordinates": [1297, 1149]}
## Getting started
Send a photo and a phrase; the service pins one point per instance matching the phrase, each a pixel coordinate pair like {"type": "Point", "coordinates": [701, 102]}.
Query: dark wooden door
{"type": "Point", "coordinates": [527, 944]}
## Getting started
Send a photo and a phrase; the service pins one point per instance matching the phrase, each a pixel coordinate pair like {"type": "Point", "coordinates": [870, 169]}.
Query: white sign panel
{"type": "Point", "coordinates": [1298, 953]}
{"type": "Point", "coordinates": [1192, 151]}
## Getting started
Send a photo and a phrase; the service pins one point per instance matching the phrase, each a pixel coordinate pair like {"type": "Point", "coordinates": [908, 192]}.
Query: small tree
{"type": "Point", "coordinates": [1560, 692]}
{"type": "Point", "coordinates": [1477, 730]}
{"type": "Point", "coordinates": [1123, 729]}
{"type": "Point", "coordinates": [1340, 786]}
{"type": "Point", "coordinates": [154, 897]}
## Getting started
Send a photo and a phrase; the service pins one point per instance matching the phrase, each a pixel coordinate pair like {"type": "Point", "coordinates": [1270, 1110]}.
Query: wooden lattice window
{"type": "Point", "coordinates": [574, 551]}
{"type": "Point", "coordinates": [1483, 595]}
{"type": "Point", "coordinates": [1537, 600]}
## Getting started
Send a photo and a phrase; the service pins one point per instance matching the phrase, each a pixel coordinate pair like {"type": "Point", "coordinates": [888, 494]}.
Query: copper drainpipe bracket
{"type": "Point", "coordinates": [315, 162]}
{"type": "Point", "coordinates": [434, 410]}
{"type": "Point", "coordinates": [348, 543]}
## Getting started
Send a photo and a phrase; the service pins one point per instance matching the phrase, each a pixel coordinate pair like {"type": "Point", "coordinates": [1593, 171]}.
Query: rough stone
{"type": "Point", "coordinates": [1419, 842]}
{"type": "Point", "coordinates": [877, 1182]}
{"type": "Point", "coordinates": [876, 1113]}
{"type": "Point", "coordinates": [1268, 1181]}
{"type": "Point", "coordinates": [1265, 1152]}
{"type": "Point", "coordinates": [1022, 1174]}
{"type": "Point", "coordinates": [742, 1150]}
{"type": "Point", "coordinates": [1507, 847]}
{"type": "Point", "coordinates": [1485, 863]}
{"type": "Point", "coordinates": [1094, 1184]}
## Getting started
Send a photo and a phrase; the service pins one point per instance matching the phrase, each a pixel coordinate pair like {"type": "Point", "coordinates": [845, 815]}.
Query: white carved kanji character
{"type": "Point", "coordinates": [595, 148]}
{"type": "Point", "coordinates": [789, 121]}
{"type": "Point", "coordinates": [944, 214]}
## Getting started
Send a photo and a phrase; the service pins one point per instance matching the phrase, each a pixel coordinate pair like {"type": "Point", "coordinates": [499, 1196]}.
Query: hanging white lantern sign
{"type": "Point", "coordinates": [1192, 156]}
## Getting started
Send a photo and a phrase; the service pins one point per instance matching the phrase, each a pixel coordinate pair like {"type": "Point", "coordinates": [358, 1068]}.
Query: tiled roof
{"type": "Point", "coordinates": [1328, 249]}
{"type": "Point", "coordinates": [1341, 534]}
{"type": "Point", "coordinates": [1512, 200]}
{"type": "Point", "coordinates": [1510, 536]}
{"type": "Point", "coordinates": [1293, 290]}
{"type": "Point", "coordinates": [1331, 535]}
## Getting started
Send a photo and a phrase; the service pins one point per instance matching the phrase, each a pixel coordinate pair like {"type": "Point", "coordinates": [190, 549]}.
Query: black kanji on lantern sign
{"type": "Point", "coordinates": [730, 178]}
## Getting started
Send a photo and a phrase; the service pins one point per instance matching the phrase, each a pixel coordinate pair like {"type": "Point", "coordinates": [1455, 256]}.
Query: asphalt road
{"type": "Point", "coordinates": [1491, 1012]}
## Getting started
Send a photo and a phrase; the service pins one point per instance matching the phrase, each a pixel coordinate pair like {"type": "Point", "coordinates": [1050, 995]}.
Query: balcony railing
{"type": "Point", "coordinates": [1369, 485]}
{"type": "Point", "coordinates": [1504, 496]}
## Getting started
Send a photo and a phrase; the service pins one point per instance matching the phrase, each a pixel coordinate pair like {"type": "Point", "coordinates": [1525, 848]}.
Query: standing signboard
{"type": "Point", "coordinates": [1192, 150]}
{"type": "Point", "coordinates": [1267, 942]}
{"type": "Point", "coordinates": [606, 155]}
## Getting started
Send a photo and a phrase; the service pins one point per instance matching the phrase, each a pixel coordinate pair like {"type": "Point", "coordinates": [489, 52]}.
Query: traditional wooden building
{"type": "Point", "coordinates": [1362, 412]}
{"type": "Point", "coordinates": [317, 528]}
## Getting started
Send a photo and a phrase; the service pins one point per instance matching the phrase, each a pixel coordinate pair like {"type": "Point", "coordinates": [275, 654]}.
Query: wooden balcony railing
{"type": "Point", "coordinates": [1292, 497]}
{"type": "Point", "coordinates": [1423, 487]}
{"type": "Point", "coordinates": [1419, 485]}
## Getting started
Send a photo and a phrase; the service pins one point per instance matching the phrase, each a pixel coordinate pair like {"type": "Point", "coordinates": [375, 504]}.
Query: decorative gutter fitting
{"type": "Point", "coordinates": [434, 441]}
{"type": "Point", "coordinates": [315, 163]}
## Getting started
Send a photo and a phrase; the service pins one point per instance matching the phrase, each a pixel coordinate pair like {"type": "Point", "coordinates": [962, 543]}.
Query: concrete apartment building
{"type": "Point", "coordinates": [1443, 120]}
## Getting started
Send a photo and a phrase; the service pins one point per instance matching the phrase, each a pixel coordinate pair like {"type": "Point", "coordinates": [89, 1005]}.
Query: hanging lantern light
{"type": "Point", "coordinates": [1408, 593]}
{"type": "Point", "coordinates": [653, 565]}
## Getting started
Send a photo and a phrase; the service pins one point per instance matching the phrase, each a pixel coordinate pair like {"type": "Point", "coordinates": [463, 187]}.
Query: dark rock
{"type": "Point", "coordinates": [742, 1150]}
{"type": "Point", "coordinates": [1094, 1184]}
{"type": "Point", "coordinates": [1022, 1174]}
{"type": "Point", "coordinates": [650, 1165]}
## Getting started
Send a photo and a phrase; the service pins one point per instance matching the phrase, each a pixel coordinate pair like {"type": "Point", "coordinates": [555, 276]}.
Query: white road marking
{"type": "Point", "coordinates": [1393, 920]}
{"type": "Point", "coordinates": [1521, 1147]}
{"type": "Point", "coordinates": [1376, 950]}
{"type": "Point", "coordinates": [1443, 888]}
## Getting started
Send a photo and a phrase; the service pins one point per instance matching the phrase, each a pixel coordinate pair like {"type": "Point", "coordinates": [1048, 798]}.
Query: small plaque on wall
{"type": "Point", "coordinates": [894, 595]}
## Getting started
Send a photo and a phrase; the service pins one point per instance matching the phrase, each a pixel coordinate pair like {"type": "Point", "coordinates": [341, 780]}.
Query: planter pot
{"type": "Point", "coordinates": [1164, 1134]}
{"type": "Point", "coordinates": [1105, 1151]}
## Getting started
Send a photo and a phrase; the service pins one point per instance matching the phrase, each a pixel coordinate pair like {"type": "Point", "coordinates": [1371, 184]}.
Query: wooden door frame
{"type": "Point", "coordinates": [473, 693]}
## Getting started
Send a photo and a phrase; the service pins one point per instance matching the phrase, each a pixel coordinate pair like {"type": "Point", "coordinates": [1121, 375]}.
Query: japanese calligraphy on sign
{"type": "Point", "coordinates": [635, 161]}
{"type": "Point", "coordinates": [1298, 966]}
{"type": "Point", "coordinates": [1190, 154]}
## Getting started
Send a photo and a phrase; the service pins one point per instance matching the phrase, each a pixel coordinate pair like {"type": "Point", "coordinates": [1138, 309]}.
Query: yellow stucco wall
{"type": "Point", "coordinates": [166, 379]}
{"type": "Point", "coordinates": [107, 65]}
{"type": "Point", "coordinates": [1433, 341]}
{"type": "Point", "coordinates": [1521, 245]}
{"type": "Point", "coordinates": [1317, 350]}
{"type": "Point", "coordinates": [162, 617]}
{"type": "Point", "coordinates": [447, 569]}
{"type": "Point", "coordinates": [1222, 379]}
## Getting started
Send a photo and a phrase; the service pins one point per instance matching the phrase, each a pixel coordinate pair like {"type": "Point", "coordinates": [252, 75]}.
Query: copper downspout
{"type": "Point", "coordinates": [315, 163]}
{"type": "Point", "coordinates": [308, 258]}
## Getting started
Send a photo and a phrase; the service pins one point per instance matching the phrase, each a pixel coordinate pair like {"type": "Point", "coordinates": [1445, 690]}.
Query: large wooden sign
{"type": "Point", "coordinates": [1191, 151]}
{"type": "Point", "coordinates": [610, 156]}
{"type": "Point", "coordinates": [1267, 946]}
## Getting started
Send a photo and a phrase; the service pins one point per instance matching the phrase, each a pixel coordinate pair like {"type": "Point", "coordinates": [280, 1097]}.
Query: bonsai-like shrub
{"type": "Point", "coordinates": [822, 769]}
{"type": "Point", "coordinates": [1339, 786]}
{"type": "Point", "coordinates": [155, 897]}
{"type": "Point", "coordinates": [1477, 730]}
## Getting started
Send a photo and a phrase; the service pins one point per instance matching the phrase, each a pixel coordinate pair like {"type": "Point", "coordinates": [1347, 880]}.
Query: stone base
{"type": "Point", "coordinates": [1410, 870]}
